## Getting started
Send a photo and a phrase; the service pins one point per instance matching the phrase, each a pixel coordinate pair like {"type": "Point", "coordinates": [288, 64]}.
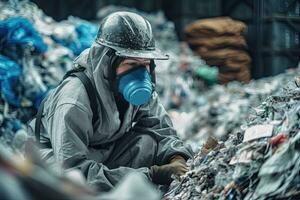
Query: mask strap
{"type": "Point", "coordinates": [115, 62]}
{"type": "Point", "coordinates": [152, 71]}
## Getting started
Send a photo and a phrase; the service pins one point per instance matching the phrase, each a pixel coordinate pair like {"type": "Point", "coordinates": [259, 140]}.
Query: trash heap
{"type": "Point", "coordinates": [221, 42]}
{"type": "Point", "coordinates": [35, 53]}
{"type": "Point", "coordinates": [260, 160]}
{"type": "Point", "coordinates": [223, 109]}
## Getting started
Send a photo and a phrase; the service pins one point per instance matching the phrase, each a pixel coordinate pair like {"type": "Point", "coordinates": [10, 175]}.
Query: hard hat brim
{"type": "Point", "coordinates": [146, 54]}
{"type": "Point", "coordinates": [131, 53]}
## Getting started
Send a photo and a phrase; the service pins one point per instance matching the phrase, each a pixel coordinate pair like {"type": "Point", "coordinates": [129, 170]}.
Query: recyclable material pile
{"type": "Point", "coordinates": [258, 160]}
{"type": "Point", "coordinates": [223, 109]}
{"type": "Point", "coordinates": [35, 53]}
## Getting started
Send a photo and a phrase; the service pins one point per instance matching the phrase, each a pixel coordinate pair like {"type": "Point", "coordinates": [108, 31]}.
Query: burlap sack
{"type": "Point", "coordinates": [215, 27]}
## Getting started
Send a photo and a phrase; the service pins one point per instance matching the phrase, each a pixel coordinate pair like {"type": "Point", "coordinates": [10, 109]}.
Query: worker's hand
{"type": "Point", "coordinates": [180, 162]}
{"type": "Point", "coordinates": [162, 174]}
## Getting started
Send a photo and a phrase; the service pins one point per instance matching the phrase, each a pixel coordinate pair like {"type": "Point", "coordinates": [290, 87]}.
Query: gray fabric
{"type": "Point", "coordinates": [77, 143]}
{"type": "Point", "coordinates": [130, 151]}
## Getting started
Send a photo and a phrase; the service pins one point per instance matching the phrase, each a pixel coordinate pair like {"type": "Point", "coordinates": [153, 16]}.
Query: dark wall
{"type": "Point", "coordinates": [61, 9]}
{"type": "Point", "coordinates": [87, 9]}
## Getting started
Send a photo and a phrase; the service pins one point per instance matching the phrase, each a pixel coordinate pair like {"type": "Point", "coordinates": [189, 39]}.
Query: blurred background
{"type": "Point", "coordinates": [273, 25]}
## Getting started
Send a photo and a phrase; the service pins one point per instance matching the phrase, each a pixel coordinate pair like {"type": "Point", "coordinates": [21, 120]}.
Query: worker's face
{"type": "Point", "coordinates": [129, 63]}
{"type": "Point", "coordinates": [134, 82]}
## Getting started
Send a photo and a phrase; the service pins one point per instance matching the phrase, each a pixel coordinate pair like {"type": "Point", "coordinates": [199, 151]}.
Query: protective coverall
{"type": "Point", "coordinates": [109, 149]}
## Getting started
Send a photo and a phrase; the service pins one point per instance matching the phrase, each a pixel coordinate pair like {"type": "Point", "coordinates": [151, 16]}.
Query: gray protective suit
{"type": "Point", "coordinates": [110, 148]}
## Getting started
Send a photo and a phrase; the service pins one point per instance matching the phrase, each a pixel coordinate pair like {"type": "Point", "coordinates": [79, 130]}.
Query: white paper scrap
{"type": "Point", "coordinates": [257, 132]}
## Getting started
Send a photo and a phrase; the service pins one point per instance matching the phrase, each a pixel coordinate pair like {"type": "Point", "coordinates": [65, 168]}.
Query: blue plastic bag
{"type": "Point", "coordinates": [9, 79]}
{"type": "Point", "coordinates": [19, 32]}
{"type": "Point", "coordinates": [10, 126]}
{"type": "Point", "coordinates": [85, 35]}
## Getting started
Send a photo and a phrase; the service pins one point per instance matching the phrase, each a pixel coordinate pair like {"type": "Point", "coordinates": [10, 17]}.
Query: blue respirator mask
{"type": "Point", "coordinates": [135, 85]}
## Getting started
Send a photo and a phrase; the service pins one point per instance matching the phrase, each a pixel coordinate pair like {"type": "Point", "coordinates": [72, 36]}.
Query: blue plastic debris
{"type": "Point", "coordinates": [9, 79]}
{"type": "Point", "coordinates": [13, 124]}
{"type": "Point", "coordinates": [84, 36]}
{"type": "Point", "coordinates": [19, 32]}
{"type": "Point", "coordinates": [9, 127]}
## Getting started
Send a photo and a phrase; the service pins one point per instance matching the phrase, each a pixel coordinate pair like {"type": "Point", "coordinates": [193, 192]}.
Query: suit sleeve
{"type": "Point", "coordinates": [152, 119]}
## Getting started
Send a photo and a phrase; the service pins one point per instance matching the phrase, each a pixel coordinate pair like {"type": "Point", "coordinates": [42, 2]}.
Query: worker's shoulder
{"type": "Point", "coordinates": [70, 92]}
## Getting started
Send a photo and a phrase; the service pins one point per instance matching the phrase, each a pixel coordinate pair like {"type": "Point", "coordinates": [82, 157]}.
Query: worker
{"type": "Point", "coordinates": [115, 125]}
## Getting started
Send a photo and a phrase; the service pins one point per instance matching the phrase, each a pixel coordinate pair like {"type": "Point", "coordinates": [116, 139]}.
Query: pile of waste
{"type": "Point", "coordinates": [258, 160]}
{"type": "Point", "coordinates": [222, 110]}
{"type": "Point", "coordinates": [35, 53]}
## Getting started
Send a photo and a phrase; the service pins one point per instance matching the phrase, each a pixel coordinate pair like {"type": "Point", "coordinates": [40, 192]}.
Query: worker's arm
{"type": "Point", "coordinates": [152, 119]}
{"type": "Point", "coordinates": [70, 127]}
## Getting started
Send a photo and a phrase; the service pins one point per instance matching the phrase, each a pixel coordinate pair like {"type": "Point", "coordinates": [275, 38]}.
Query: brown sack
{"type": "Point", "coordinates": [243, 76]}
{"type": "Point", "coordinates": [217, 42]}
{"type": "Point", "coordinates": [215, 27]}
{"type": "Point", "coordinates": [224, 54]}
{"type": "Point", "coordinates": [225, 78]}
{"type": "Point", "coordinates": [238, 68]}
{"type": "Point", "coordinates": [233, 64]}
